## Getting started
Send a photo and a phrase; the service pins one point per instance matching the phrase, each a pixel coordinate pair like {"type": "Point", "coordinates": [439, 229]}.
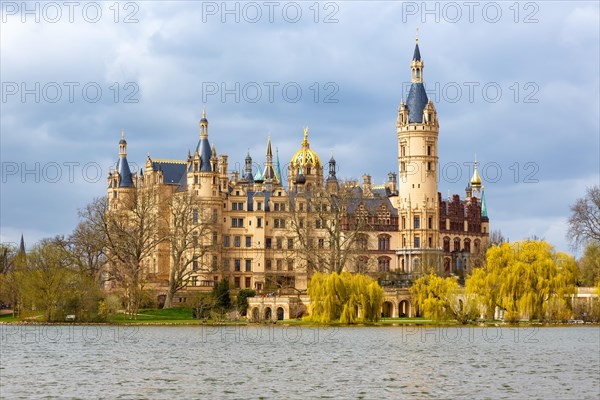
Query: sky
{"type": "Point", "coordinates": [516, 86]}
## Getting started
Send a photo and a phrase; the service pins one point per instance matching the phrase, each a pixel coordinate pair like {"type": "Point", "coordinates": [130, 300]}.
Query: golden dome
{"type": "Point", "coordinates": [305, 157]}
{"type": "Point", "coordinates": [476, 179]}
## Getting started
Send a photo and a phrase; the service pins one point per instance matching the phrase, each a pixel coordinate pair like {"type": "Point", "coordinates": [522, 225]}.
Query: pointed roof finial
{"type": "Point", "coordinates": [203, 112]}
{"type": "Point", "coordinates": [122, 133]}
{"type": "Point", "coordinates": [305, 140]}
{"type": "Point", "coordinates": [417, 36]}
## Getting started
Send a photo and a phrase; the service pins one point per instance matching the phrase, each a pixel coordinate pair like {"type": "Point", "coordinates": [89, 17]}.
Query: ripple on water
{"type": "Point", "coordinates": [179, 362]}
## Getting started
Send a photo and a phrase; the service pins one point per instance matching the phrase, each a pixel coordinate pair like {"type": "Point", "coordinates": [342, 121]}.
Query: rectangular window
{"type": "Point", "coordinates": [318, 224]}
{"type": "Point", "coordinates": [237, 265]}
{"type": "Point", "coordinates": [321, 243]}
{"type": "Point", "coordinates": [248, 282]}
{"type": "Point", "coordinates": [301, 222]}
{"type": "Point", "coordinates": [240, 206]}
{"type": "Point", "coordinates": [259, 222]}
{"type": "Point", "coordinates": [279, 243]}
{"type": "Point", "coordinates": [282, 207]}
{"type": "Point", "coordinates": [268, 265]}
{"type": "Point", "coordinates": [195, 263]}
{"type": "Point", "coordinates": [248, 265]}
{"type": "Point", "coordinates": [226, 241]}
{"type": "Point", "coordinates": [279, 265]}
{"type": "Point", "coordinates": [301, 206]}
{"type": "Point", "coordinates": [416, 222]}
{"type": "Point", "coordinates": [430, 223]}
{"type": "Point", "coordinates": [290, 243]}
{"type": "Point", "coordinates": [214, 263]}
{"type": "Point", "coordinates": [403, 222]}
{"type": "Point", "coordinates": [417, 242]}
{"type": "Point", "coordinates": [195, 215]}
{"type": "Point", "coordinates": [259, 205]}
{"type": "Point", "coordinates": [236, 282]}
{"type": "Point", "coordinates": [237, 240]}
{"type": "Point", "coordinates": [428, 150]}
{"type": "Point", "coordinates": [276, 223]}
{"type": "Point", "coordinates": [276, 207]}
{"type": "Point", "coordinates": [226, 264]}
{"type": "Point", "coordinates": [234, 206]}
{"type": "Point", "coordinates": [214, 238]}
{"type": "Point", "coordinates": [194, 281]}
{"type": "Point", "coordinates": [268, 243]}
{"type": "Point", "coordinates": [430, 242]}
{"type": "Point", "coordinates": [290, 265]}
{"type": "Point", "coordinates": [248, 241]}
{"type": "Point", "coordinates": [282, 223]}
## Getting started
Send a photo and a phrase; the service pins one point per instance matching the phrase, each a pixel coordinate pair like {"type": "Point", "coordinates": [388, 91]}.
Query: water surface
{"type": "Point", "coordinates": [106, 362]}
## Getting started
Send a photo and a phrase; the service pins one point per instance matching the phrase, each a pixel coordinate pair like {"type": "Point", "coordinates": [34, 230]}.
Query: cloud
{"type": "Point", "coordinates": [361, 61]}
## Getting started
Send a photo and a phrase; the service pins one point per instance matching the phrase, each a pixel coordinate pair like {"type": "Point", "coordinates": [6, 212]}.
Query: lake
{"type": "Point", "coordinates": [260, 361]}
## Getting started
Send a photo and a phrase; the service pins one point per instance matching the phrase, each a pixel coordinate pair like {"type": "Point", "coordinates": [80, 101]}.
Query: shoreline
{"type": "Point", "coordinates": [286, 323]}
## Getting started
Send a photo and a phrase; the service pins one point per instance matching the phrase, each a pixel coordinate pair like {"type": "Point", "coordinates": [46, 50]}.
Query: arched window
{"type": "Point", "coordinates": [384, 264]}
{"type": "Point", "coordinates": [362, 241]}
{"type": "Point", "coordinates": [456, 244]}
{"type": "Point", "coordinates": [447, 244]}
{"type": "Point", "coordinates": [383, 242]}
{"type": "Point", "coordinates": [467, 245]}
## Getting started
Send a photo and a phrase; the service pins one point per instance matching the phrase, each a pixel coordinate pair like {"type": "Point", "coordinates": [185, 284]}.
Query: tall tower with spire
{"type": "Point", "coordinates": [417, 202]}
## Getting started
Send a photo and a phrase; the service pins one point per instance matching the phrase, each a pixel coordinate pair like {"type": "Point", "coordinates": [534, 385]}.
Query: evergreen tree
{"type": "Point", "coordinates": [221, 295]}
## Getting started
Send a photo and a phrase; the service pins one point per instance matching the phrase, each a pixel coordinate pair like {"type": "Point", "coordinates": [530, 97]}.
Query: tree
{"type": "Point", "coordinates": [222, 297]}
{"type": "Point", "coordinates": [242, 300]}
{"type": "Point", "coordinates": [190, 240]}
{"type": "Point", "coordinates": [48, 282]}
{"type": "Point", "coordinates": [526, 279]}
{"type": "Point", "coordinates": [12, 262]}
{"type": "Point", "coordinates": [346, 297]}
{"type": "Point", "coordinates": [589, 265]}
{"type": "Point", "coordinates": [327, 234]}
{"type": "Point", "coordinates": [440, 299]}
{"type": "Point", "coordinates": [85, 248]}
{"type": "Point", "coordinates": [584, 222]}
{"type": "Point", "coordinates": [132, 230]}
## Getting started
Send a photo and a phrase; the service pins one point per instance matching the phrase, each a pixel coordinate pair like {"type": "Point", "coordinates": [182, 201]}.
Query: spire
{"type": "Point", "coordinates": [483, 204]}
{"type": "Point", "coordinates": [277, 166]}
{"type": "Point", "coordinates": [417, 53]}
{"type": "Point", "coordinates": [204, 148]}
{"type": "Point", "coordinates": [417, 97]}
{"type": "Point", "coordinates": [269, 173]}
{"type": "Point", "coordinates": [248, 169]}
{"type": "Point", "coordinates": [332, 167]}
{"type": "Point", "coordinates": [122, 167]}
{"type": "Point", "coordinates": [22, 246]}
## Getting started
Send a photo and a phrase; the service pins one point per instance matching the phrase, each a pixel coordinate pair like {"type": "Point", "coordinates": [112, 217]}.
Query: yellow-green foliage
{"type": "Point", "coordinates": [341, 296]}
{"type": "Point", "coordinates": [434, 295]}
{"type": "Point", "coordinates": [526, 279]}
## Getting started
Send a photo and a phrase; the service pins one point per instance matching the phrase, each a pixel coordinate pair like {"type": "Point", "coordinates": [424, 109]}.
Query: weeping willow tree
{"type": "Point", "coordinates": [526, 279]}
{"type": "Point", "coordinates": [349, 298]}
{"type": "Point", "coordinates": [435, 296]}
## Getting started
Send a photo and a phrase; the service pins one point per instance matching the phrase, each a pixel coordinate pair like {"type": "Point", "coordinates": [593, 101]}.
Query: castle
{"type": "Point", "coordinates": [261, 233]}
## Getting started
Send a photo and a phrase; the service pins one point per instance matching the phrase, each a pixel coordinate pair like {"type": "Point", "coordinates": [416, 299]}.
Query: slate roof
{"type": "Point", "coordinates": [122, 168]}
{"type": "Point", "coordinates": [416, 102]}
{"type": "Point", "coordinates": [173, 171]}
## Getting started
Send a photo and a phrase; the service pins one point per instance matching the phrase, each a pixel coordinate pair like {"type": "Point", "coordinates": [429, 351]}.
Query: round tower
{"type": "Point", "coordinates": [417, 201]}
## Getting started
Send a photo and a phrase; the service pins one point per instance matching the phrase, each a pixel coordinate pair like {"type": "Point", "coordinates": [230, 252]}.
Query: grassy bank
{"type": "Point", "coordinates": [183, 316]}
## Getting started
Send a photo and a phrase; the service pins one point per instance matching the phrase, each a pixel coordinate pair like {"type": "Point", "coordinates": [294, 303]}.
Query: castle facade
{"type": "Point", "coordinates": [268, 230]}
